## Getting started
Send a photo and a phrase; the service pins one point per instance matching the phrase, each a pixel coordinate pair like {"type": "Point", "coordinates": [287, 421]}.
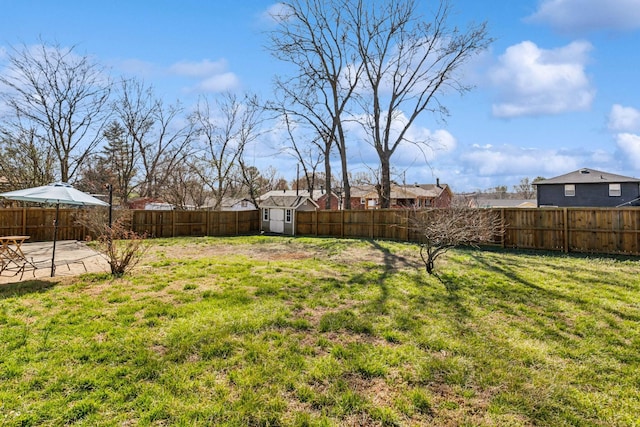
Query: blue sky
{"type": "Point", "coordinates": [558, 89]}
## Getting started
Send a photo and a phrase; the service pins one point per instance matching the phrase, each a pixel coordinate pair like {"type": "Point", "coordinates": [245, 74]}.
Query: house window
{"type": "Point", "coordinates": [569, 190]}
{"type": "Point", "coordinates": [287, 215]}
{"type": "Point", "coordinates": [265, 214]}
{"type": "Point", "coordinates": [615, 190]}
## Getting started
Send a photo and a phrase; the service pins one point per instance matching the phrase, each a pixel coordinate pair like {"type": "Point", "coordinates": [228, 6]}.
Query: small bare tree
{"type": "Point", "coordinates": [122, 247]}
{"type": "Point", "coordinates": [442, 229]}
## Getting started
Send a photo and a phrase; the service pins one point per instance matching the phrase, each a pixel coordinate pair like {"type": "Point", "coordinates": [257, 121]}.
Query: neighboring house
{"type": "Point", "coordinates": [278, 212]}
{"type": "Point", "coordinates": [149, 204]}
{"type": "Point", "coordinates": [411, 196]}
{"type": "Point", "coordinates": [589, 187]}
{"type": "Point", "coordinates": [237, 204]}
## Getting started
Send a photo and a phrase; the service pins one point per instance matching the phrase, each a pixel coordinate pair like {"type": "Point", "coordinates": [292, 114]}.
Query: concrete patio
{"type": "Point", "coordinates": [72, 258]}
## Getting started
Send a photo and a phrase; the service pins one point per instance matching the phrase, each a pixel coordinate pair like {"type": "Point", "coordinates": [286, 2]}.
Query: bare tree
{"type": "Point", "coordinates": [442, 229]}
{"type": "Point", "coordinates": [409, 63]}
{"type": "Point", "coordinates": [274, 181]}
{"type": "Point", "coordinates": [60, 97]}
{"type": "Point", "coordinates": [24, 160]}
{"type": "Point", "coordinates": [185, 188]}
{"type": "Point", "coordinates": [159, 133]}
{"type": "Point", "coordinates": [309, 155]}
{"type": "Point", "coordinates": [122, 247]}
{"type": "Point", "coordinates": [315, 37]}
{"type": "Point", "coordinates": [525, 189]}
{"type": "Point", "coordinates": [224, 133]}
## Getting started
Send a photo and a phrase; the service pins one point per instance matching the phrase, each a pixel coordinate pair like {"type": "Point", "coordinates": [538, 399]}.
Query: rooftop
{"type": "Point", "coordinates": [587, 176]}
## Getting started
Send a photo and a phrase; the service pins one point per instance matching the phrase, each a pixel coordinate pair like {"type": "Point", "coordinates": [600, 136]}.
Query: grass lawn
{"type": "Point", "coordinates": [269, 331]}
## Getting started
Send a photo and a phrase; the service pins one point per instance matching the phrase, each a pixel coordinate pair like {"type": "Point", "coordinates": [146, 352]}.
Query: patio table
{"type": "Point", "coordinates": [11, 254]}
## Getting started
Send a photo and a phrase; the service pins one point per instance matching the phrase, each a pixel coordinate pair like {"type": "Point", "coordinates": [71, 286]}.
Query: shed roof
{"type": "Point", "coordinates": [587, 176]}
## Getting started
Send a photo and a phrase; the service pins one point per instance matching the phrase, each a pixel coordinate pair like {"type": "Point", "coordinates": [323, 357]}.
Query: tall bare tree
{"type": "Point", "coordinates": [224, 131]}
{"type": "Point", "coordinates": [60, 97]}
{"type": "Point", "coordinates": [315, 36]}
{"type": "Point", "coordinates": [409, 62]}
{"type": "Point", "coordinates": [160, 133]}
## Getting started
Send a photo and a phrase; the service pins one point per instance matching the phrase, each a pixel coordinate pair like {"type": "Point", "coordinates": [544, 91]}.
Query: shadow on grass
{"type": "Point", "coordinates": [11, 290]}
{"type": "Point", "coordinates": [554, 254]}
{"type": "Point", "coordinates": [390, 262]}
{"type": "Point", "coordinates": [582, 276]}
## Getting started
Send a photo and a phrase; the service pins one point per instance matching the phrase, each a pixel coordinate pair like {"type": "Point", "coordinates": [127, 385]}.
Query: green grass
{"type": "Point", "coordinates": [271, 331]}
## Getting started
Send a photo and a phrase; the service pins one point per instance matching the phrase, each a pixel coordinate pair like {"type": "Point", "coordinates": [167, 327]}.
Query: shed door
{"type": "Point", "coordinates": [276, 220]}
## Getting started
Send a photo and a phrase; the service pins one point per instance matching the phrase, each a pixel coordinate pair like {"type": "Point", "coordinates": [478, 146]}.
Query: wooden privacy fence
{"type": "Point", "coordinates": [195, 223]}
{"type": "Point", "coordinates": [586, 230]}
{"type": "Point", "coordinates": [38, 223]}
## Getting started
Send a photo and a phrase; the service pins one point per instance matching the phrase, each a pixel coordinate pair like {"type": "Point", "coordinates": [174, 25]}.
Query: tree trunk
{"type": "Point", "coordinates": [385, 182]}
{"type": "Point", "coordinates": [327, 181]}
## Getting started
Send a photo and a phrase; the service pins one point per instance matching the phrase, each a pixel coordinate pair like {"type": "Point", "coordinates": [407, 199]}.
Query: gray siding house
{"type": "Point", "coordinates": [590, 188]}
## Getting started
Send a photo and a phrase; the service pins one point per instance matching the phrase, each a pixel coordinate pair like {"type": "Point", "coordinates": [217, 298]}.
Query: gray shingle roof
{"type": "Point", "coordinates": [587, 176]}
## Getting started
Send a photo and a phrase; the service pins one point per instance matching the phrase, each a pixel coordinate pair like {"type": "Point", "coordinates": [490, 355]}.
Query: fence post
{"type": "Point", "coordinates": [565, 219]}
{"type": "Point", "coordinates": [342, 223]}
{"type": "Point", "coordinates": [504, 230]}
{"type": "Point", "coordinates": [237, 224]}
{"type": "Point", "coordinates": [406, 223]}
{"type": "Point", "coordinates": [315, 224]}
{"type": "Point", "coordinates": [24, 221]}
{"type": "Point", "coordinates": [372, 228]}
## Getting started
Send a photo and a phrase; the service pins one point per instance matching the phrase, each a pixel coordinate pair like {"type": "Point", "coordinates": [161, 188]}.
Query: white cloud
{"type": "Point", "coordinates": [420, 144]}
{"type": "Point", "coordinates": [212, 76]}
{"type": "Point", "coordinates": [509, 160]}
{"type": "Point", "coordinates": [440, 142]}
{"type": "Point", "coordinates": [629, 144]}
{"type": "Point", "coordinates": [586, 15]}
{"type": "Point", "coordinates": [203, 68]}
{"type": "Point", "coordinates": [624, 119]}
{"type": "Point", "coordinates": [535, 81]}
{"type": "Point", "coordinates": [219, 83]}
